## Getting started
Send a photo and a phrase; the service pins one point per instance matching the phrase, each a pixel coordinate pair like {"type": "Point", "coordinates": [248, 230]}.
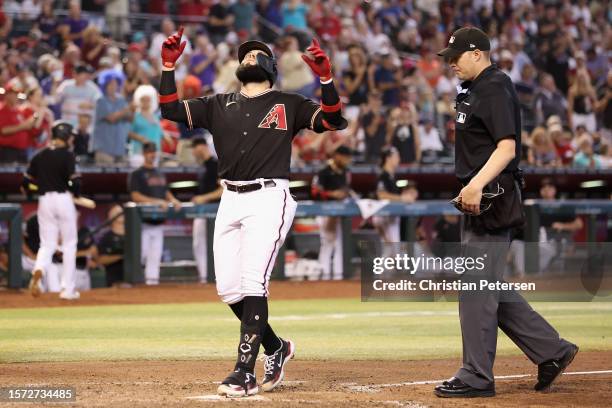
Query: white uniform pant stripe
{"type": "Point", "coordinates": [274, 252]}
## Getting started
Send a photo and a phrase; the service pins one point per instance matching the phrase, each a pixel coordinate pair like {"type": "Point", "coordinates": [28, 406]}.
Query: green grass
{"type": "Point", "coordinates": [209, 330]}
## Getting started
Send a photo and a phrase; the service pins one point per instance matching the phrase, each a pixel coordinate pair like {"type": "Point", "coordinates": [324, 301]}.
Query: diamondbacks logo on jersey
{"type": "Point", "coordinates": [275, 119]}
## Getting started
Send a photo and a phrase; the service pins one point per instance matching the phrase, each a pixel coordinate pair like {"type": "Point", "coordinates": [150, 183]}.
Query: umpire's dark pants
{"type": "Point", "coordinates": [482, 313]}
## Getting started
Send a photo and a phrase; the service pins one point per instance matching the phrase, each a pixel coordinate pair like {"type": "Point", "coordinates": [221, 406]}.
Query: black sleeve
{"type": "Point", "coordinates": [498, 113]}
{"type": "Point", "coordinates": [32, 171]}
{"type": "Point", "coordinates": [195, 113]}
{"type": "Point", "coordinates": [306, 112]}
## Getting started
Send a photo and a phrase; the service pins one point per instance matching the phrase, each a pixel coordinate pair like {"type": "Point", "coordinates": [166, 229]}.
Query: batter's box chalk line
{"type": "Point", "coordinates": [216, 398]}
{"type": "Point", "coordinates": [377, 387]}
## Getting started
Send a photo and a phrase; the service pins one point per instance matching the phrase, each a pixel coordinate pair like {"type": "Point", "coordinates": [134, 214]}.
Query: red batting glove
{"type": "Point", "coordinates": [320, 64]}
{"type": "Point", "coordinates": [172, 49]}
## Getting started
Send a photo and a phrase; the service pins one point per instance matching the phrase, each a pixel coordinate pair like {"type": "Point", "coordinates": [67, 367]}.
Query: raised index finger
{"type": "Point", "coordinates": [179, 33]}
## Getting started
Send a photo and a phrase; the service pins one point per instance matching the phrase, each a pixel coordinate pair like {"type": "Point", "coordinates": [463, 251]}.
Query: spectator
{"type": "Point", "coordinates": [374, 124]}
{"type": "Point", "coordinates": [24, 80]}
{"type": "Point", "coordinates": [146, 125]}
{"type": "Point", "coordinates": [542, 152]}
{"type": "Point", "coordinates": [387, 80]}
{"type": "Point", "coordinates": [113, 115]}
{"type": "Point", "coordinates": [244, 16]}
{"type": "Point", "coordinates": [94, 46]}
{"type": "Point", "coordinates": [549, 101]}
{"type": "Point", "coordinates": [82, 139]}
{"type": "Point", "coordinates": [295, 74]}
{"type": "Point", "coordinates": [526, 92]}
{"type": "Point", "coordinates": [429, 66]}
{"type": "Point", "coordinates": [111, 247]}
{"type": "Point", "coordinates": [581, 102]}
{"type": "Point", "coordinates": [134, 77]}
{"type": "Point", "coordinates": [270, 11]}
{"type": "Point", "coordinates": [597, 65]}
{"type": "Point", "coordinates": [355, 81]}
{"type": "Point", "coordinates": [403, 134]}
{"type": "Point", "coordinates": [429, 140]}
{"type": "Point", "coordinates": [202, 62]}
{"type": "Point", "coordinates": [220, 21]}
{"type": "Point", "coordinates": [332, 183]}
{"type": "Point", "coordinates": [167, 29]}
{"type": "Point", "coordinates": [14, 129]}
{"type": "Point", "coordinates": [604, 108]}
{"type": "Point", "coordinates": [294, 14]}
{"type": "Point", "coordinates": [47, 24]}
{"type": "Point", "coordinates": [78, 95]}
{"type": "Point", "coordinates": [35, 105]}
{"type": "Point", "coordinates": [72, 27]}
{"type": "Point", "coordinates": [147, 185]}
{"type": "Point", "coordinates": [327, 25]}
{"type": "Point", "coordinates": [585, 157]}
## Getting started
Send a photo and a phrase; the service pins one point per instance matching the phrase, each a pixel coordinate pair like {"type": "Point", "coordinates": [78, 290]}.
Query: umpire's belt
{"type": "Point", "coordinates": [247, 188]}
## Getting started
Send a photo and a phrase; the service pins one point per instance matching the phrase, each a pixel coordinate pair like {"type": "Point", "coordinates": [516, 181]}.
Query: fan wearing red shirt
{"type": "Point", "coordinates": [35, 105]}
{"type": "Point", "coordinates": [14, 129]}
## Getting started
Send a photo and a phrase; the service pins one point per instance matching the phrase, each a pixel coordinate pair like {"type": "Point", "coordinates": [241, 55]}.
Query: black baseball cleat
{"type": "Point", "coordinates": [238, 384]}
{"type": "Point", "coordinates": [455, 388]}
{"type": "Point", "coordinates": [274, 365]}
{"type": "Point", "coordinates": [549, 371]}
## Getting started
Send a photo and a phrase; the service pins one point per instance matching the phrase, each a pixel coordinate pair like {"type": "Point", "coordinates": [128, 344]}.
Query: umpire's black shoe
{"type": "Point", "coordinates": [455, 388]}
{"type": "Point", "coordinates": [274, 365]}
{"type": "Point", "coordinates": [549, 371]}
{"type": "Point", "coordinates": [238, 384]}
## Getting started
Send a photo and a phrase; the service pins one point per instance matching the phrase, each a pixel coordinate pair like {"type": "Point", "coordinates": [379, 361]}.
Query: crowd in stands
{"type": "Point", "coordinates": [97, 65]}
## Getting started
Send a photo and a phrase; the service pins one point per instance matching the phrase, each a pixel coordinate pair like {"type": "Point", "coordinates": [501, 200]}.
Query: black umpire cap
{"type": "Point", "coordinates": [247, 46]}
{"type": "Point", "coordinates": [465, 39]}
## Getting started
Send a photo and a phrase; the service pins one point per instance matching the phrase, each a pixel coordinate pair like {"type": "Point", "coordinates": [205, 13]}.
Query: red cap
{"type": "Point", "coordinates": [11, 87]}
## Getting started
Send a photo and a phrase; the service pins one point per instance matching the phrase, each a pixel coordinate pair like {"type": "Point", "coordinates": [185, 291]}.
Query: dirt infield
{"type": "Point", "coordinates": [175, 293]}
{"type": "Point", "coordinates": [310, 383]}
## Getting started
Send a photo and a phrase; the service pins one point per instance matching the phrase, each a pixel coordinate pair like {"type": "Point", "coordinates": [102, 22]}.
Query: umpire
{"type": "Point", "coordinates": [487, 152]}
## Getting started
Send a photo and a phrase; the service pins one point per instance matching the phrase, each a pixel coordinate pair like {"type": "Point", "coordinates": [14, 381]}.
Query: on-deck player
{"type": "Point", "coordinates": [252, 132]}
{"type": "Point", "coordinates": [53, 170]}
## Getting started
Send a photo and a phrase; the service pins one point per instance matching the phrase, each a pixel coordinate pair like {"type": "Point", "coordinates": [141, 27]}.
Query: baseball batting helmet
{"type": "Point", "coordinates": [62, 130]}
{"type": "Point", "coordinates": [267, 61]}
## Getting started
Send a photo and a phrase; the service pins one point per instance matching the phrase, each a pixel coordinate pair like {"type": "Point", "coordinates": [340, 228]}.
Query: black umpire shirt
{"type": "Point", "coordinates": [487, 111]}
{"type": "Point", "coordinates": [252, 135]}
{"type": "Point", "coordinates": [51, 169]}
{"type": "Point", "coordinates": [207, 176]}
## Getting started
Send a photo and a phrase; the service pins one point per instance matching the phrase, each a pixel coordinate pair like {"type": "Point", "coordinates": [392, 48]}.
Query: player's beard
{"type": "Point", "coordinates": [250, 73]}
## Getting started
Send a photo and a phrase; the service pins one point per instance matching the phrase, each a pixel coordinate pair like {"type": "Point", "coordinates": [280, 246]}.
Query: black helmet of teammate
{"type": "Point", "coordinates": [265, 60]}
{"type": "Point", "coordinates": [62, 130]}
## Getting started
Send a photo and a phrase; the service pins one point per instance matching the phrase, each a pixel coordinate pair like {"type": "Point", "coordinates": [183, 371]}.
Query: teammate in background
{"type": "Point", "coordinates": [53, 170]}
{"type": "Point", "coordinates": [252, 132]}
{"type": "Point", "coordinates": [387, 189]}
{"type": "Point", "coordinates": [332, 182]}
{"type": "Point", "coordinates": [209, 190]}
{"type": "Point", "coordinates": [110, 247]}
{"type": "Point", "coordinates": [147, 185]}
{"type": "Point", "coordinates": [487, 153]}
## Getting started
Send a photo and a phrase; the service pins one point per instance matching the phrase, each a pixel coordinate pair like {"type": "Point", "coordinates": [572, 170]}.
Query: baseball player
{"type": "Point", "coordinates": [252, 131]}
{"type": "Point", "coordinates": [148, 185]}
{"type": "Point", "coordinates": [53, 170]}
{"type": "Point", "coordinates": [332, 183]}
{"type": "Point", "coordinates": [487, 153]}
{"type": "Point", "coordinates": [209, 190]}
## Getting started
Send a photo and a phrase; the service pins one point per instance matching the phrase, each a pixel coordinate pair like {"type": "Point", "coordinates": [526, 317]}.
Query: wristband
{"type": "Point", "coordinates": [168, 98]}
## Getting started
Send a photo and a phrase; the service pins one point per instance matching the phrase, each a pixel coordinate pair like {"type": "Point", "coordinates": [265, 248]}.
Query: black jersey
{"type": "Point", "coordinates": [252, 135]}
{"type": "Point", "coordinates": [329, 179]}
{"type": "Point", "coordinates": [388, 183]}
{"type": "Point", "coordinates": [51, 169]}
{"type": "Point", "coordinates": [207, 176]}
{"type": "Point", "coordinates": [487, 112]}
{"type": "Point", "coordinates": [148, 181]}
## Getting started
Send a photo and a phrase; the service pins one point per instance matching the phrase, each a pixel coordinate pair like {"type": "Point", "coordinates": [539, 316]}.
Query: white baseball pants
{"type": "Point", "coordinates": [152, 245]}
{"type": "Point", "coordinates": [57, 218]}
{"type": "Point", "coordinates": [330, 233]}
{"type": "Point", "coordinates": [199, 247]}
{"type": "Point", "coordinates": [250, 228]}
